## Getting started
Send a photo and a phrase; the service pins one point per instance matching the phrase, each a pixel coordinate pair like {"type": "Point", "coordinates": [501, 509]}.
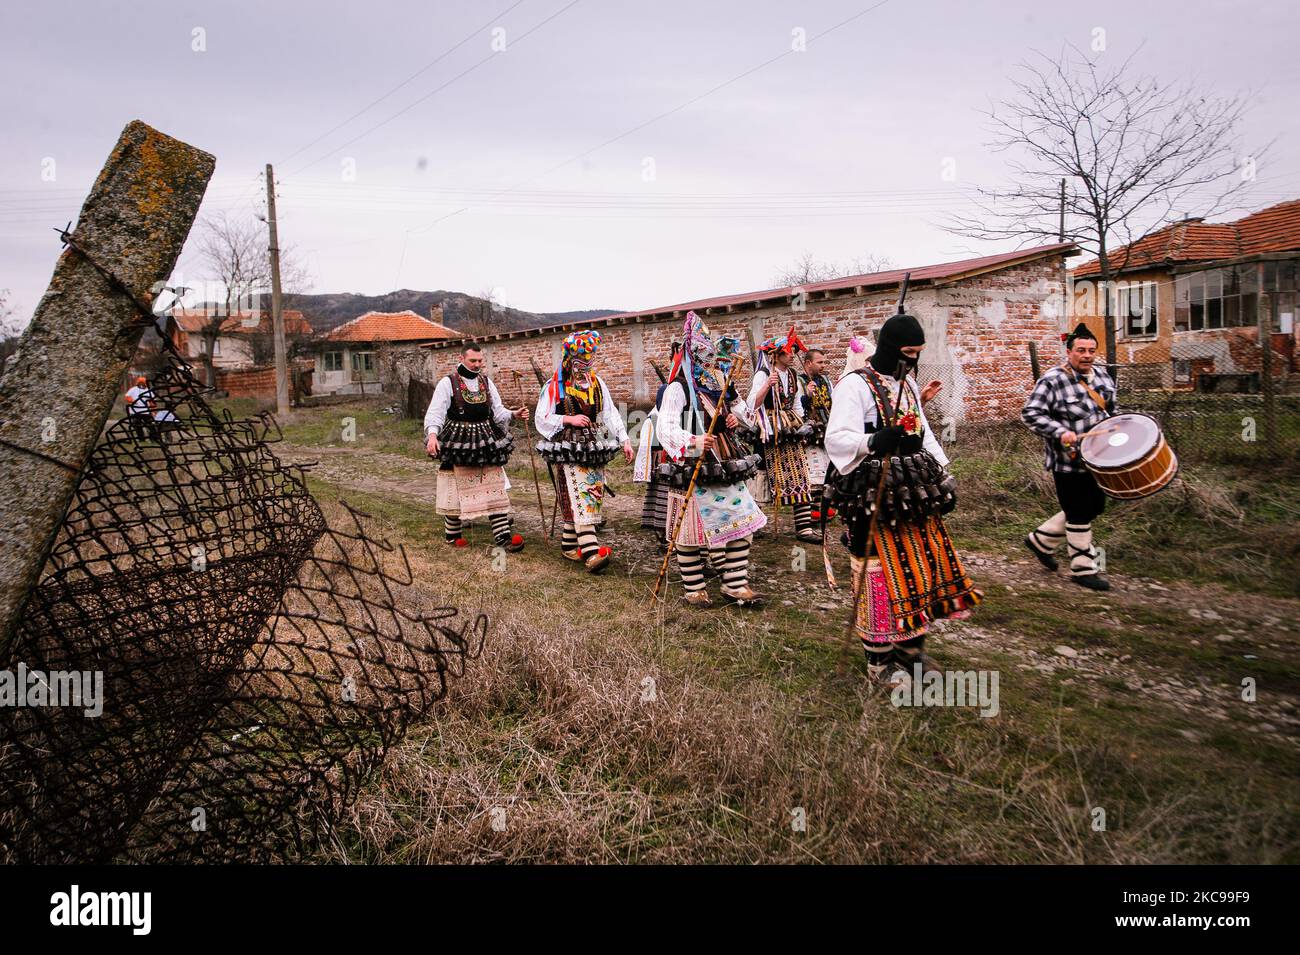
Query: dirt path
{"type": "Point", "coordinates": [1229, 625]}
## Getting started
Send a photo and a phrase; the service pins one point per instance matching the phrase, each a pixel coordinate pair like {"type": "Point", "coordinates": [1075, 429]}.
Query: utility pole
{"type": "Point", "coordinates": [277, 317]}
{"type": "Point", "coordinates": [1065, 275]}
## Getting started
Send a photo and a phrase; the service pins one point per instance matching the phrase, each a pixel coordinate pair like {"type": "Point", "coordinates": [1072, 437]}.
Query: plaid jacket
{"type": "Point", "coordinates": [1060, 403]}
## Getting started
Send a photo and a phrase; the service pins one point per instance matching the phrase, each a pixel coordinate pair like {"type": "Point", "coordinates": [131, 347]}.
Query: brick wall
{"type": "Point", "coordinates": [253, 383]}
{"type": "Point", "coordinates": [977, 338]}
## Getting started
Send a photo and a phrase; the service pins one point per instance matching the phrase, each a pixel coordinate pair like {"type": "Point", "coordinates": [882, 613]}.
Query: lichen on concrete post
{"type": "Point", "coordinates": [57, 395]}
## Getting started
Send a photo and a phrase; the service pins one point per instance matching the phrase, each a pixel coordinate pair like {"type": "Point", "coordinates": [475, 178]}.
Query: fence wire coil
{"type": "Point", "coordinates": [256, 661]}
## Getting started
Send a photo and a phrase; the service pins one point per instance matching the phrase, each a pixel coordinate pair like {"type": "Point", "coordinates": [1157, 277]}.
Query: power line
{"type": "Point", "coordinates": [491, 56]}
{"type": "Point", "coordinates": [666, 113]}
{"type": "Point", "coordinates": [424, 69]}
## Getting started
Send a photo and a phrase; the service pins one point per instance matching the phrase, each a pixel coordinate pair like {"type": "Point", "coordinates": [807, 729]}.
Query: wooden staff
{"type": "Point", "coordinates": [537, 481]}
{"type": "Point", "coordinates": [718, 413]}
{"type": "Point", "coordinates": [550, 470]}
{"type": "Point", "coordinates": [775, 472]}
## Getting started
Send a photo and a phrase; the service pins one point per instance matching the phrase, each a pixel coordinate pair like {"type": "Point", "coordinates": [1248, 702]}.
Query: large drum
{"type": "Point", "coordinates": [1128, 456]}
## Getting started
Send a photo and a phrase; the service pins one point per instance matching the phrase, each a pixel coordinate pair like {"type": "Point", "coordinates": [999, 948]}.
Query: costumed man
{"type": "Point", "coordinates": [912, 574]}
{"type": "Point", "coordinates": [721, 515]}
{"type": "Point", "coordinates": [816, 410]}
{"type": "Point", "coordinates": [775, 405]}
{"type": "Point", "coordinates": [582, 431]}
{"type": "Point", "coordinates": [645, 470]}
{"type": "Point", "coordinates": [468, 429]}
{"type": "Point", "coordinates": [1066, 402]}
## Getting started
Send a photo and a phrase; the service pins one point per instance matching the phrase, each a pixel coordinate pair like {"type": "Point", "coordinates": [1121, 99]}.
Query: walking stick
{"type": "Point", "coordinates": [550, 470]}
{"type": "Point", "coordinates": [777, 481]}
{"type": "Point", "coordinates": [537, 486]}
{"type": "Point", "coordinates": [718, 413]}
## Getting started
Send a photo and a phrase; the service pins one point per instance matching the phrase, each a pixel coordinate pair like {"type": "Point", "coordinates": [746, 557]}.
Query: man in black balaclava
{"type": "Point", "coordinates": [901, 339]}
{"type": "Point", "coordinates": [906, 571]}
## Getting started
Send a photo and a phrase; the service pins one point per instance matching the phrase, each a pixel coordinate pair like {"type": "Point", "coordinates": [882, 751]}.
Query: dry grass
{"type": "Point", "coordinates": [549, 749]}
{"type": "Point", "coordinates": [558, 737]}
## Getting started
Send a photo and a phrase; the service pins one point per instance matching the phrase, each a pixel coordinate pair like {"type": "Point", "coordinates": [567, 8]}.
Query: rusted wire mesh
{"type": "Point", "coordinates": [256, 661]}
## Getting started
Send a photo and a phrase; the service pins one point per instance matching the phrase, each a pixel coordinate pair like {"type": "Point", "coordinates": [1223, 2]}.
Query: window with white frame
{"type": "Point", "coordinates": [1136, 311]}
{"type": "Point", "coordinates": [1216, 298]}
{"type": "Point", "coordinates": [363, 365]}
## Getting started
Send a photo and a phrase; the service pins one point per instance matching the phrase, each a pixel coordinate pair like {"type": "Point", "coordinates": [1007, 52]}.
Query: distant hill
{"type": "Point", "coordinates": [463, 312]}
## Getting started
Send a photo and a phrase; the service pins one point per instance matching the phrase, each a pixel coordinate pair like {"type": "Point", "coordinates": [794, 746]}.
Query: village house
{"type": "Point", "coordinates": [239, 341]}
{"type": "Point", "coordinates": [980, 316]}
{"type": "Point", "coordinates": [347, 357]}
{"type": "Point", "coordinates": [1189, 301]}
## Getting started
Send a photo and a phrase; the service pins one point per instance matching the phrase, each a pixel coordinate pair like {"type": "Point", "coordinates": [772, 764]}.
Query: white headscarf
{"type": "Point", "coordinates": [856, 355]}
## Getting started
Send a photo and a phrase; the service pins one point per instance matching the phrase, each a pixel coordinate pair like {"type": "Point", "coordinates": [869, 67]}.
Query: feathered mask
{"type": "Point", "coordinates": [699, 355]}
{"type": "Point", "coordinates": [579, 349]}
{"type": "Point", "coordinates": [788, 343]}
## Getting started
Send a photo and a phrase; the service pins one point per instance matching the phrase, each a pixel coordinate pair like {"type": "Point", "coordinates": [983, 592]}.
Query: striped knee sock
{"type": "Point", "coordinates": [451, 527]}
{"type": "Point", "coordinates": [568, 537]}
{"type": "Point", "coordinates": [690, 561]}
{"type": "Point", "coordinates": [587, 541]}
{"type": "Point", "coordinates": [501, 532]}
{"type": "Point", "coordinates": [735, 572]}
{"type": "Point", "coordinates": [802, 517]}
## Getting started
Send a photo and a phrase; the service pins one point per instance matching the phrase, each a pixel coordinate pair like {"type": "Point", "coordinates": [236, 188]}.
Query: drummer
{"type": "Point", "coordinates": [1065, 403]}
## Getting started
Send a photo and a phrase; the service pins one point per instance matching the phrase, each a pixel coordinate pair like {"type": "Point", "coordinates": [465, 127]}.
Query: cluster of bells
{"type": "Point", "coordinates": [916, 485]}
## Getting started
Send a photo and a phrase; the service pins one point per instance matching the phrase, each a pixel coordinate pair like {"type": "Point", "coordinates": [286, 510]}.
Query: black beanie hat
{"type": "Point", "coordinates": [1080, 331]}
{"type": "Point", "coordinates": [900, 331]}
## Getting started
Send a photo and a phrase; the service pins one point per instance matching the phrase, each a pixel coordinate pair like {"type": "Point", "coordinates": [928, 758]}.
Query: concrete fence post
{"type": "Point", "coordinates": [56, 396]}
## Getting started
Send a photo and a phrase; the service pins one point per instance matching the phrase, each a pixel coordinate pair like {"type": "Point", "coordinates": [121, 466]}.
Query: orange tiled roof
{"type": "Point", "coordinates": [193, 322]}
{"type": "Point", "coordinates": [405, 326]}
{"type": "Point", "coordinates": [1275, 229]}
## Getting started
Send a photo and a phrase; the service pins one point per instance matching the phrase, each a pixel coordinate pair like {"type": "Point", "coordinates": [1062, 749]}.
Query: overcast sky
{"type": "Point", "coordinates": [598, 161]}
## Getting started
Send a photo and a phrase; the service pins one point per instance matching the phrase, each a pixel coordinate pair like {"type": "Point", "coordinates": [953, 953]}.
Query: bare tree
{"type": "Point", "coordinates": [1135, 153]}
{"type": "Point", "coordinates": [808, 269]}
{"type": "Point", "coordinates": [234, 251]}
{"type": "Point", "coordinates": [10, 329]}
{"type": "Point", "coordinates": [481, 314]}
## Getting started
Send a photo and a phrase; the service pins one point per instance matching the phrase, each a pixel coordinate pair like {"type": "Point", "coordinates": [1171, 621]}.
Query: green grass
{"type": "Point", "coordinates": [759, 715]}
{"type": "Point", "coordinates": [1237, 525]}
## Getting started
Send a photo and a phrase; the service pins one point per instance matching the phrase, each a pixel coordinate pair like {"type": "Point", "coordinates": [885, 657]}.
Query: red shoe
{"type": "Point", "coordinates": [816, 515]}
{"type": "Point", "coordinates": [458, 542]}
{"type": "Point", "coordinates": [830, 512]}
{"type": "Point", "coordinates": [516, 544]}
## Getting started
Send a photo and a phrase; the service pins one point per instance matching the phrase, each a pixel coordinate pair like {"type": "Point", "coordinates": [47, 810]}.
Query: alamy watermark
{"type": "Point", "coordinates": [79, 688]}
{"type": "Point", "coordinates": [949, 688]}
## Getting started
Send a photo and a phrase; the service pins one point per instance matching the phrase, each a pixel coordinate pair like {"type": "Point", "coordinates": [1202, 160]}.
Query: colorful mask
{"type": "Point", "coordinates": [701, 354]}
{"type": "Point", "coordinates": [576, 358]}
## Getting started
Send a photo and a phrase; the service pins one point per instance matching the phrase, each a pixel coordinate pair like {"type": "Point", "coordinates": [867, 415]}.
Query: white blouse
{"type": "Point", "coordinates": [852, 408]}
{"type": "Point", "coordinates": [752, 404]}
{"type": "Point", "coordinates": [548, 423]}
{"type": "Point", "coordinates": [671, 426]}
{"type": "Point", "coordinates": [436, 415]}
